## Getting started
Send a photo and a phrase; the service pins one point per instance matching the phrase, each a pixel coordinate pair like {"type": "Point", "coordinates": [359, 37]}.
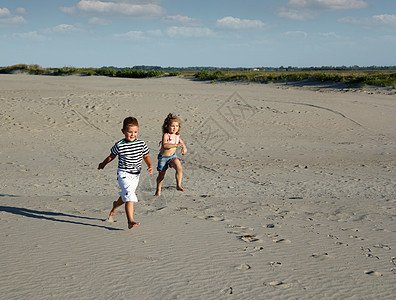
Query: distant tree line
{"type": "Point", "coordinates": [371, 75]}
{"type": "Point", "coordinates": [281, 68]}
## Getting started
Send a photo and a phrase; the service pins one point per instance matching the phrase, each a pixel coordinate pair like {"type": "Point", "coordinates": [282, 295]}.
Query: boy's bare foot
{"type": "Point", "coordinates": [114, 209]}
{"type": "Point", "coordinates": [132, 224]}
{"type": "Point", "coordinates": [179, 188]}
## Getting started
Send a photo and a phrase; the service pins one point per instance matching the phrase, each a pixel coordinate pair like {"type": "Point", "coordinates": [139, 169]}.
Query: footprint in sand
{"type": "Point", "coordinates": [320, 255]}
{"type": "Point", "coordinates": [110, 220]}
{"type": "Point", "coordinates": [240, 230]}
{"type": "Point", "coordinates": [239, 227]}
{"type": "Point", "coordinates": [350, 229]}
{"type": "Point", "coordinates": [367, 252]}
{"type": "Point", "coordinates": [356, 237]}
{"type": "Point", "coordinates": [286, 241]}
{"type": "Point", "coordinates": [372, 273]}
{"type": "Point", "coordinates": [277, 284]}
{"type": "Point", "coordinates": [236, 232]}
{"type": "Point", "coordinates": [341, 243]}
{"type": "Point", "coordinates": [269, 226]}
{"type": "Point", "coordinates": [243, 267]}
{"type": "Point", "coordinates": [227, 290]}
{"type": "Point", "coordinates": [275, 264]}
{"type": "Point", "coordinates": [212, 218]}
{"type": "Point", "coordinates": [249, 238]}
{"type": "Point", "coordinates": [336, 238]}
{"type": "Point", "coordinates": [332, 237]}
{"type": "Point", "coordinates": [383, 246]}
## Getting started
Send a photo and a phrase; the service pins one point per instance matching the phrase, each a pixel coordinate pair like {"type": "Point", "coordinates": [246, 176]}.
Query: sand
{"type": "Point", "coordinates": [290, 191]}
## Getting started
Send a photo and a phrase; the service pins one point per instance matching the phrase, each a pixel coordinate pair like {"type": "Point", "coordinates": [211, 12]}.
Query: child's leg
{"type": "Point", "coordinates": [179, 173]}
{"type": "Point", "coordinates": [160, 180]}
{"type": "Point", "coordinates": [129, 213]}
{"type": "Point", "coordinates": [116, 205]}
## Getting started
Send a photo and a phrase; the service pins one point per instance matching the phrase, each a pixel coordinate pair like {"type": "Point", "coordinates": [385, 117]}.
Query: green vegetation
{"type": "Point", "coordinates": [137, 73]}
{"type": "Point", "coordinates": [377, 78]}
{"type": "Point", "coordinates": [174, 73]}
{"type": "Point", "coordinates": [207, 75]}
{"type": "Point", "coordinates": [65, 71]}
{"type": "Point", "coordinates": [357, 76]}
{"type": "Point", "coordinates": [21, 68]}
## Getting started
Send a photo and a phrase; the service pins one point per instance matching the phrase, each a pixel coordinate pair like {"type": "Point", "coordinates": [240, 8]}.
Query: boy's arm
{"type": "Point", "coordinates": [106, 161]}
{"type": "Point", "coordinates": [149, 164]}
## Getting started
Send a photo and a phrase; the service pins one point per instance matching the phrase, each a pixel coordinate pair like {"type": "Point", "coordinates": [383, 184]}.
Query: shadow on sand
{"type": "Point", "coordinates": [51, 216]}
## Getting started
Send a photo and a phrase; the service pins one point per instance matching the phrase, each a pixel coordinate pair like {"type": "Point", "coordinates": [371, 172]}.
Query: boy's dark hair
{"type": "Point", "coordinates": [169, 119]}
{"type": "Point", "coordinates": [130, 121]}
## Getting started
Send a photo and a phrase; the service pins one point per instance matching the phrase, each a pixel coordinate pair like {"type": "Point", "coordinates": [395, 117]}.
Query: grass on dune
{"type": "Point", "coordinates": [376, 78]}
{"type": "Point", "coordinates": [128, 73]}
{"type": "Point", "coordinates": [382, 78]}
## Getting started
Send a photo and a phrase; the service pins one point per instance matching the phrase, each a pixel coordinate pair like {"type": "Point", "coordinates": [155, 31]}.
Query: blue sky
{"type": "Point", "coordinates": [182, 33]}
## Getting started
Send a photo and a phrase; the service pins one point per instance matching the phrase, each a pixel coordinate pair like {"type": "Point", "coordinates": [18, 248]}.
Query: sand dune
{"type": "Point", "coordinates": [290, 192]}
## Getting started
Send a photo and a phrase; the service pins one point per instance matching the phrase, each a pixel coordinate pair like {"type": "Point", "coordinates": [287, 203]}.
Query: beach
{"type": "Point", "coordinates": [290, 191]}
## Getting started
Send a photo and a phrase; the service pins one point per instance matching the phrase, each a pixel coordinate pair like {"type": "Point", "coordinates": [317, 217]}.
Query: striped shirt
{"type": "Point", "coordinates": [130, 155]}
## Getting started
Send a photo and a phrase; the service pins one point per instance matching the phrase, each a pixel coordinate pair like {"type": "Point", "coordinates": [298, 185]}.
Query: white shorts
{"type": "Point", "coordinates": [128, 183]}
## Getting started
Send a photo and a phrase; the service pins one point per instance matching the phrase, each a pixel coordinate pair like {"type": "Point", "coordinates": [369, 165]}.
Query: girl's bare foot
{"type": "Point", "coordinates": [179, 188]}
{"type": "Point", "coordinates": [132, 224]}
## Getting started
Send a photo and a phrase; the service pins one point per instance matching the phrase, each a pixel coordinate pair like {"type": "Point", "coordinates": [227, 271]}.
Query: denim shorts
{"type": "Point", "coordinates": [164, 161]}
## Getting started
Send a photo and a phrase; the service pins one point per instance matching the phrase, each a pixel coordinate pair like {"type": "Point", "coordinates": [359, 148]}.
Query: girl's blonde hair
{"type": "Point", "coordinates": [168, 121]}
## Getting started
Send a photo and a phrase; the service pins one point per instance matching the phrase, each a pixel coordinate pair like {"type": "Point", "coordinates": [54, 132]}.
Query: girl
{"type": "Point", "coordinates": [167, 156]}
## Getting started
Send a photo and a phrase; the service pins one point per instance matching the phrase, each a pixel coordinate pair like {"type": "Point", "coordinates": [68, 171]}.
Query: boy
{"type": "Point", "coordinates": [131, 151]}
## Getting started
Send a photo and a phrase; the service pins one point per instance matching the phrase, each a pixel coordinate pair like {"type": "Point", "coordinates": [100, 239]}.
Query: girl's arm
{"type": "Point", "coordinates": [149, 164]}
{"type": "Point", "coordinates": [184, 148]}
{"type": "Point", "coordinates": [106, 161]}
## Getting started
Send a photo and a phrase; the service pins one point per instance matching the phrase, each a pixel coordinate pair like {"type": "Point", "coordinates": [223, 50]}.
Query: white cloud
{"type": "Point", "coordinates": [189, 32]}
{"type": "Point", "coordinates": [126, 8]}
{"type": "Point", "coordinates": [154, 33]}
{"type": "Point", "coordinates": [5, 12]}
{"type": "Point", "coordinates": [139, 35]}
{"type": "Point", "coordinates": [388, 21]}
{"type": "Point", "coordinates": [297, 15]}
{"type": "Point", "coordinates": [21, 11]}
{"type": "Point", "coordinates": [13, 20]}
{"type": "Point", "coordinates": [180, 19]}
{"type": "Point", "coordinates": [353, 20]}
{"type": "Point", "coordinates": [99, 21]}
{"type": "Point", "coordinates": [296, 35]}
{"type": "Point", "coordinates": [66, 28]}
{"type": "Point", "coordinates": [132, 35]}
{"type": "Point", "coordinates": [69, 10]}
{"type": "Point", "coordinates": [7, 18]}
{"type": "Point", "coordinates": [329, 35]}
{"type": "Point", "coordinates": [134, 1]}
{"type": "Point", "coordinates": [237, 23]}
{"type": "Point", "coordinates": [301, 10]}
{"type": "Point", "coordinates": [33, 35]}
{"type": "Point", "coordinates": [329, 4]}
{"type": "Point", "coordinates": [385, 20]}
